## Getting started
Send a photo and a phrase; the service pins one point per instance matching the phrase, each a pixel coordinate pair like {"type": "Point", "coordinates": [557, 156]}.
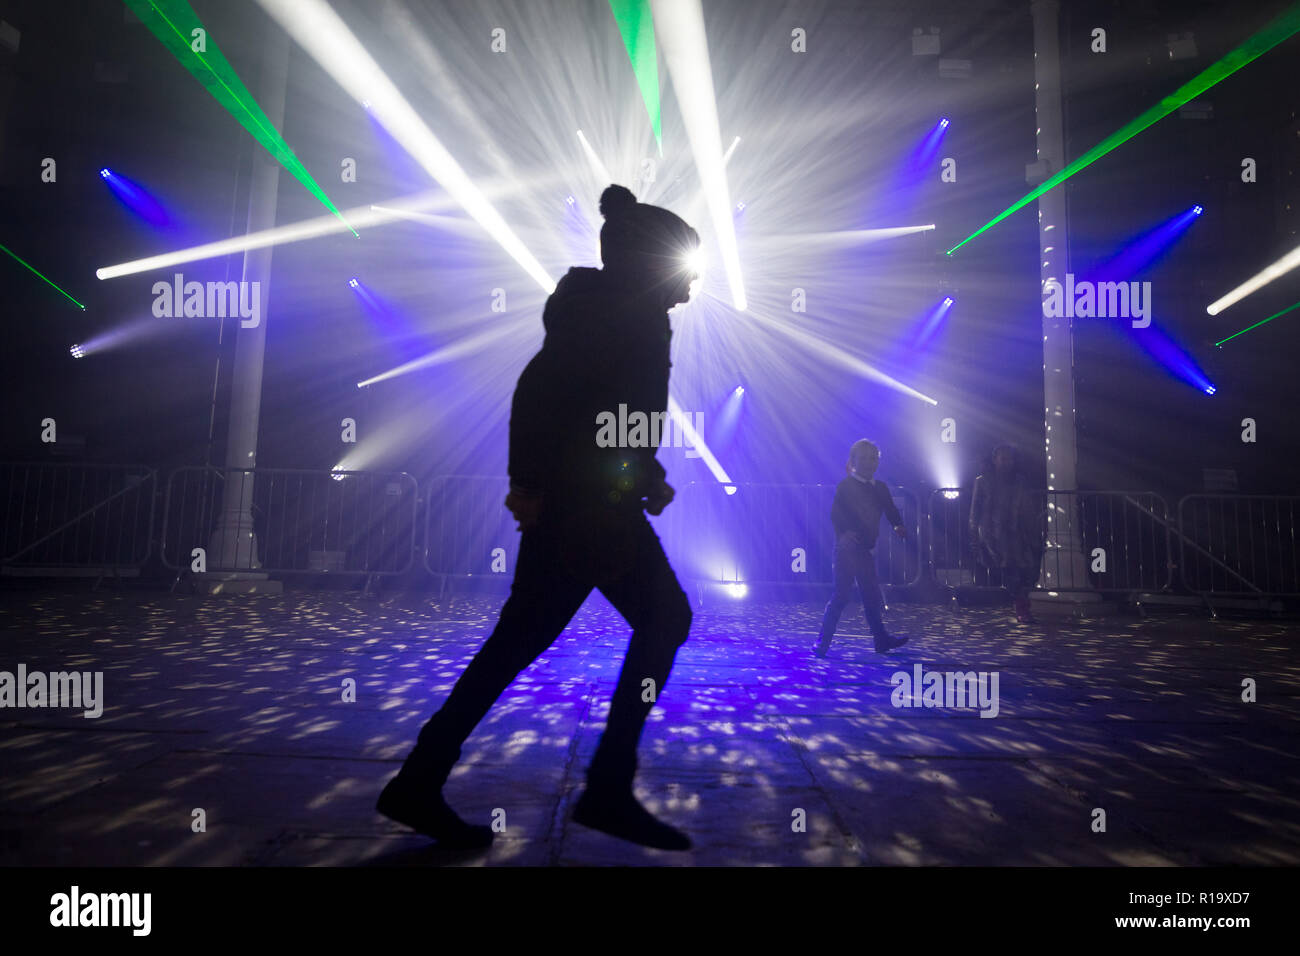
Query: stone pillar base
{"type": "Point", "coordinates": [237, 582]}
{"type": "Point", "coordinates": [1071, 603]}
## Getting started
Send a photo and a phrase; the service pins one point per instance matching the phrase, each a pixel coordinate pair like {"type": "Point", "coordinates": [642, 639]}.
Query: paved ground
{"type": "Point", "coordinates": [234, 705]}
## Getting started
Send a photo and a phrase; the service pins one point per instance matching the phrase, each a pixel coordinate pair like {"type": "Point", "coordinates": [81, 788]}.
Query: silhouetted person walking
{"type": "Point", "coordinates": [860, 501]}
{"type": "Point", "coordinates": [580, 507]}
{"type": "Point", "coordinates": [1006, 526]}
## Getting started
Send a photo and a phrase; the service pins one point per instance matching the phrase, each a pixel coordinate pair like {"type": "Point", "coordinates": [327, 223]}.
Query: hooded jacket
{"type": "Point", "coordinates": [604, 347]}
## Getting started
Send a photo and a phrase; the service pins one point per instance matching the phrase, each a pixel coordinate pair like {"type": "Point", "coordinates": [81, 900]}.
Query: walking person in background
{"type": "Point", "coordinates": [860, 501]}
{"type": "Point", "coordinates": [1006, 526]}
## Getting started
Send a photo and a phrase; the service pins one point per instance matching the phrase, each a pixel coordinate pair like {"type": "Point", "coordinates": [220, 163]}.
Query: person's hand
{"type": "Point", "coordinates": [901, 531]}
{"type": "Point", "coordinates": [660, 498]}
{"type": "Point", "coordinates": [525, 506]}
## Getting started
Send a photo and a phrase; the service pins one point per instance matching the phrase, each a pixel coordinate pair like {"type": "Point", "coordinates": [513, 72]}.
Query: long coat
{"type": "Point", "coordinates": [1007, 523]}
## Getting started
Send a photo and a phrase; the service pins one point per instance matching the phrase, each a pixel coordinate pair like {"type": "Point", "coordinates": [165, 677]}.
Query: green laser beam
{"type": "Point", "coordinates": [173, 27]}
{"type": "Point", "coordinates": [1258, 324]}
{"type": "Point", "coordinates": [34, 269]}
{"type": "Point", "coordinates": [1282, 28]}
{"type": "Point", "coordinates": [636, 24]}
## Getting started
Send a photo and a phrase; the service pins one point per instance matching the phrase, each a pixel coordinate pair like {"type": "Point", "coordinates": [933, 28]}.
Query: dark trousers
{"type": "Point", "coordinates": [1019, 581]}
{"type": "Point", "coordinates": [560, 560]}
{"type": "Point", "coordinates": [853, 563]}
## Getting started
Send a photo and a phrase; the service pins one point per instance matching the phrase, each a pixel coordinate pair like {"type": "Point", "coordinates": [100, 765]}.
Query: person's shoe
{"type": "Point", "coordinates": [887, 642]}
{"type": "Point", "coordinates": [1024, 613]}
{"type": "Point", "coordinates": [619, 814]}
{"type": "Point", "coordinates": [425, 811]}
{"type": "Point", "coordinates": [820, 648]}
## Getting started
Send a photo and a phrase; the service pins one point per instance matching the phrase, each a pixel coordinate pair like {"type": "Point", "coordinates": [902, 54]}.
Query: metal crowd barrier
{"type": "Point", "coordinates": [304, 521]}
{"type": "Point", "coordinates": [1239, 545]}
{"type": "Point", "coordinates": [65, 518]}
{"type": "Point", "coordinates": [757, 534]}
{"type": "Point", "coordinates": [768, 534]}
{"type": "Point", "coordinates": [81, 519]}
{"type": "Point", "coordinates": [468, 531]}
{"type": "Point", "coordinates": [1123, 538]}
{"type": "Point", "coordinates": [1092, 540]}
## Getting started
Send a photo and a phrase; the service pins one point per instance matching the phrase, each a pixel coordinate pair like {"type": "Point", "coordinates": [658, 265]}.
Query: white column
{"type": "Point", "coordinates": [1064, 564]}
{"type": "Point", "coordinates": [233, 545]}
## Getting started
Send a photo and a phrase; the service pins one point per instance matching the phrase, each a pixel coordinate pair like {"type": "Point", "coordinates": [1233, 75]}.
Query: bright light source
{"type": "Point", "coordinates": [1210, 390]}
{"type": "Point", "coordinates": [947, 300]}
{"type": "Point", "coordinates": [77, 351]}
{"type": "Point", "coordinates": [338, 468]}
{"type": "Point", "coordinates": [943, 122]}
{"type": "Point", "coordinates": [353, 283]}
{"type": "Point", "coordinates": [570, 200]}
{"type": "Point", "coordinates": [951, 493]}
{"type": "Point", "coordinates": [740, 390]}
{"type": "Point", "coordinates": [694, 261]}
{"type": "Point", "coordinates": [104, 172]}
{"type": "Point", "coordinates": [737, 589]}
{"type": "Point", "coordinates": [729, 489]}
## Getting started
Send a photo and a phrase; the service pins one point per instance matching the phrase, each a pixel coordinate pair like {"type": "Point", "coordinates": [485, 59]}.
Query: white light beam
{"type": "Point", "coordinates": [314, 228]}
{"type": "Point", "coordinates": [602, 174]}
{"type": "Point", "coordinates": [679, 32]}
{"type": "Point", "coordinates": [1257, 281]}
{"type": "Point", "coordinates": [321, 32]}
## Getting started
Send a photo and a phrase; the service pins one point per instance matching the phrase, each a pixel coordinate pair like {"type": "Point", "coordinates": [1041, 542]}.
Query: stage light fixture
{"type": "Point", "coordinates": [1181, 47]}
{"type": "Point", "coordinates": [925, 44]}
